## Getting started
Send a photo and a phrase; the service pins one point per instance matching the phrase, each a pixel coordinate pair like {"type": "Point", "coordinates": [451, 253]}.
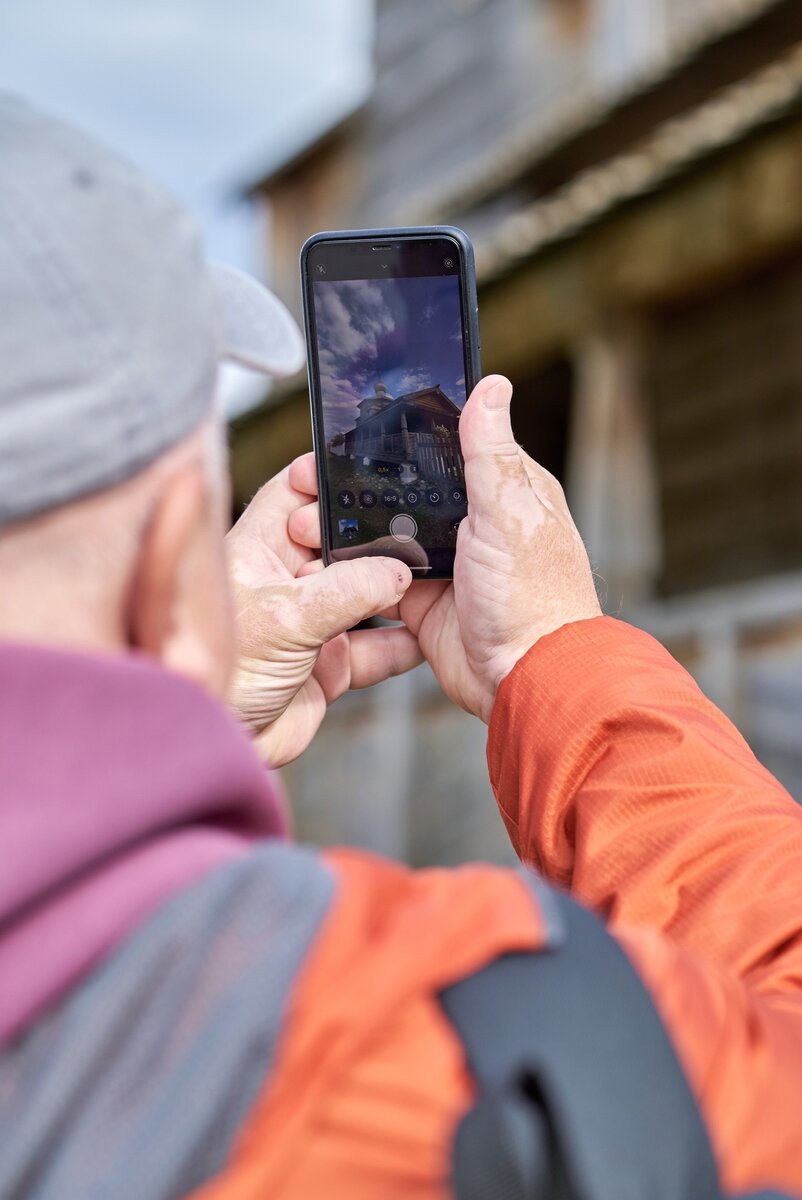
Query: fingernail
{"type": "Point", "coordinates": [499, 395]}
{"type": "Point", "coordinates": [402, 581]}
{"type": "Point", "coordinates": [400, 576]}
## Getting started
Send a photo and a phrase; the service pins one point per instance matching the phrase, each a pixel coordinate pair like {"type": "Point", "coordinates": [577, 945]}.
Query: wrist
{"type": "Point", "coordinates": [502, 669]}
{"type": "Point", "coordinates": [567, 679]}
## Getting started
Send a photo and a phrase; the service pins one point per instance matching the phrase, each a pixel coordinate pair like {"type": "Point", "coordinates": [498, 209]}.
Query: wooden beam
{"type": "Point", "coordinates": [727, 217]}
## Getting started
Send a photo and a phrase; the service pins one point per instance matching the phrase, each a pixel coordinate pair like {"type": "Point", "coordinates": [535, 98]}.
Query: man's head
{"type": "Point", "coordinates": [112, 492]}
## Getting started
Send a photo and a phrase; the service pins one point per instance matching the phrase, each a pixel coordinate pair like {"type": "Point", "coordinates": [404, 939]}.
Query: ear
{"type": "Point", "coordinates": [179, 610]}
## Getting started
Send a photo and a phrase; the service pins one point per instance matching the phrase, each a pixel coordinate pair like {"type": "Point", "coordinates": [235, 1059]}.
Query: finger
{"type": "Point", "coordinates": [482, 434]}
{"type": "Point", "coordinates": [411, 553]}
{"type": "Point", "coordinates": [303, 474]}
{"type": "Point", "coordinates": [324, 604]}
{"type": "Point", "coordinates": [333, 668]}
{"type": "Point", "coordinates": [311, 568]}
{"type": "Point", "coordinates": [420, 600]}
{"type": "Point", "coordinates": [264, 524]}
{"type": "Point", "coordinates": [494, 471]}
{"type": "Point", "coordinates": [379, 654]}
{"type": "Point", "coordinates": [485, 426]}
{"type": "Point", "coordinates": [304, 526]}
{"type": "Point", "coordinates": [275, 500]}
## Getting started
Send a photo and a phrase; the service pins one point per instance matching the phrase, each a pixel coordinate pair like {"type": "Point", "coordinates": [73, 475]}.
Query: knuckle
{"type": "Point", "coordinates": [356, 585]}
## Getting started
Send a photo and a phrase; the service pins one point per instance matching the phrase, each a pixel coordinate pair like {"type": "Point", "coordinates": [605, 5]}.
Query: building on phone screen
{"type": "Point", "coordinates": [416, 433]}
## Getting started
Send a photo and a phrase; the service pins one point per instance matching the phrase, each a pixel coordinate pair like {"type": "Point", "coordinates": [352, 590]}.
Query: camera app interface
{"type": "Point", "coordinates": [392, 384]}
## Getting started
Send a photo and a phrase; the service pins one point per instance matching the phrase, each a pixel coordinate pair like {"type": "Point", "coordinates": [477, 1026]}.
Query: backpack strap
{"type": "Point", "coordinates": [581, 1096]}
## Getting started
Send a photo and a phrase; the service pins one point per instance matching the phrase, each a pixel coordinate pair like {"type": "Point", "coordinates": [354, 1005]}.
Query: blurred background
{"type": "Point", "coordinates": [631, 174]}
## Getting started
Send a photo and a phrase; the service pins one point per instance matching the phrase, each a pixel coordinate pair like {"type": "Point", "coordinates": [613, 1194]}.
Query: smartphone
{"type": "Point", "coordinates": [393, 353]}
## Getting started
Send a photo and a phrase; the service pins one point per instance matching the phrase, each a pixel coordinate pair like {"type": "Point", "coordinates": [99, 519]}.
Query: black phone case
{"type": "Point", "coordinates": [470, 332]}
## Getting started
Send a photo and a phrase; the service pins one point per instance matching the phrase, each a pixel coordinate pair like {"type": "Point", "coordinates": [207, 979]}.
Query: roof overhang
{"type": "Point", "coordinates": [676, 147]}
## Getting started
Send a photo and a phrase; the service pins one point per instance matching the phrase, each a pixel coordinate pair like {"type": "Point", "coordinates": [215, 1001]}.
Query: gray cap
{"type": "Point", "coordinates": [111, 324]}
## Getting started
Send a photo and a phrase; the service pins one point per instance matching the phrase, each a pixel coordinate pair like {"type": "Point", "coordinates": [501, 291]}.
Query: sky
{"type": "Point", "coordinates": [203, 94]}
{"type": "Point", "coordinates": [404, 333]}
{"type": "Point", "coordinates": [206, 95]}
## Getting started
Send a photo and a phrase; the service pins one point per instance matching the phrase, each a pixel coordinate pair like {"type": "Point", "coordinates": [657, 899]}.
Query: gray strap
{"type": "Point", "coordinates": [581, 1094]}
{"type": "Point", "coordinates": [135, 1087]}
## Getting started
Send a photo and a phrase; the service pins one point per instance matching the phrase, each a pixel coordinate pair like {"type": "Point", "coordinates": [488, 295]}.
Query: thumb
{"type": "Point", "coordinates": [492, 455]}
{"type": "Point", "coordinates": [485, 426]}
{"type": "Point", "coordinates": [332, 601]}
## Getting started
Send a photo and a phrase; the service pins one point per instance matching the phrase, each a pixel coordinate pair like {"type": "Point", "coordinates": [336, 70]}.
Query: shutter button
{"type": "Point", "coordinates": [403, 528]}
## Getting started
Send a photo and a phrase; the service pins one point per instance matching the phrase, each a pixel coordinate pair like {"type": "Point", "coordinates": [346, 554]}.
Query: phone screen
{"type": "Point", "coordinates": [392, 377]}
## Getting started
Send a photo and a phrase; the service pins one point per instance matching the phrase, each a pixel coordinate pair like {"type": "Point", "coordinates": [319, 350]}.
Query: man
{"type": "Point", "coordinates": [192, 1006]}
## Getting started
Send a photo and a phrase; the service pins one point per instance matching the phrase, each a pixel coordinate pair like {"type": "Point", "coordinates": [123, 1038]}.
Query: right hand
{"type": "Point", "coordinates": [521, 570]}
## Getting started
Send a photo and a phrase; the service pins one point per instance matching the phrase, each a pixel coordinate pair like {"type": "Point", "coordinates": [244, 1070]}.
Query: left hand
{"type": "Point", "coordinates": [295, 656]}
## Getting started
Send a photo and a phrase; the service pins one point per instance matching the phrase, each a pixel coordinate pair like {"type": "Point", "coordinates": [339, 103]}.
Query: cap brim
{"type": "Point", "coordinates": [257, 330]}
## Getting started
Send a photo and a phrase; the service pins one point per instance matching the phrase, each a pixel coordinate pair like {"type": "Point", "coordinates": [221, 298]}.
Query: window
{"type": "Point", "coordinates": [725, 381]}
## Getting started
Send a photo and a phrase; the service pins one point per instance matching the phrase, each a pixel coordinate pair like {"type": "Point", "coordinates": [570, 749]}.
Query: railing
{"type": "Point", "coordinates": [437, 455]}
{"type": "Point", "coordinates": [743, 644]}
{"type": "Point", "coordinates": [385, 444]}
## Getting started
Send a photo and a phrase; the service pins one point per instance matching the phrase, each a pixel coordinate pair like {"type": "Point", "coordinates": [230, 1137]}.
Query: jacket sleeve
{"type": "Point", "coordinates": [619, 781]}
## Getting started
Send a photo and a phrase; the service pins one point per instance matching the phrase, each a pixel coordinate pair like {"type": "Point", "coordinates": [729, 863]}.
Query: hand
{"type": "Point", "coordinates": [295, 656]}
{"type": "Point", "coordinates": [521, 569]}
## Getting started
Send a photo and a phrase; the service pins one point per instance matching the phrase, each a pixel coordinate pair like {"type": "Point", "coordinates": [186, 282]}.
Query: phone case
{"type": "Point", "coordinates": [470, 330]}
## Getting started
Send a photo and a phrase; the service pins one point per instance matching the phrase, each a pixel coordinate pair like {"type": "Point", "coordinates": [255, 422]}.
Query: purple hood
{"type": "Point", "coordinates": [119, 785]}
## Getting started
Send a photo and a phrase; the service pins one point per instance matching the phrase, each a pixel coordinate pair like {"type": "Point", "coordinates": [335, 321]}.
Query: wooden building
{"type": "Point", "coordinates": [630, 172]}
{"type": "Point", "coordinates": [418, 431]}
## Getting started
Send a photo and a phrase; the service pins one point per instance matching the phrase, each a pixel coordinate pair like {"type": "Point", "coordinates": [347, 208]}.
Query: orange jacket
{"type": "Point", "coordinates": [619, 781]}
